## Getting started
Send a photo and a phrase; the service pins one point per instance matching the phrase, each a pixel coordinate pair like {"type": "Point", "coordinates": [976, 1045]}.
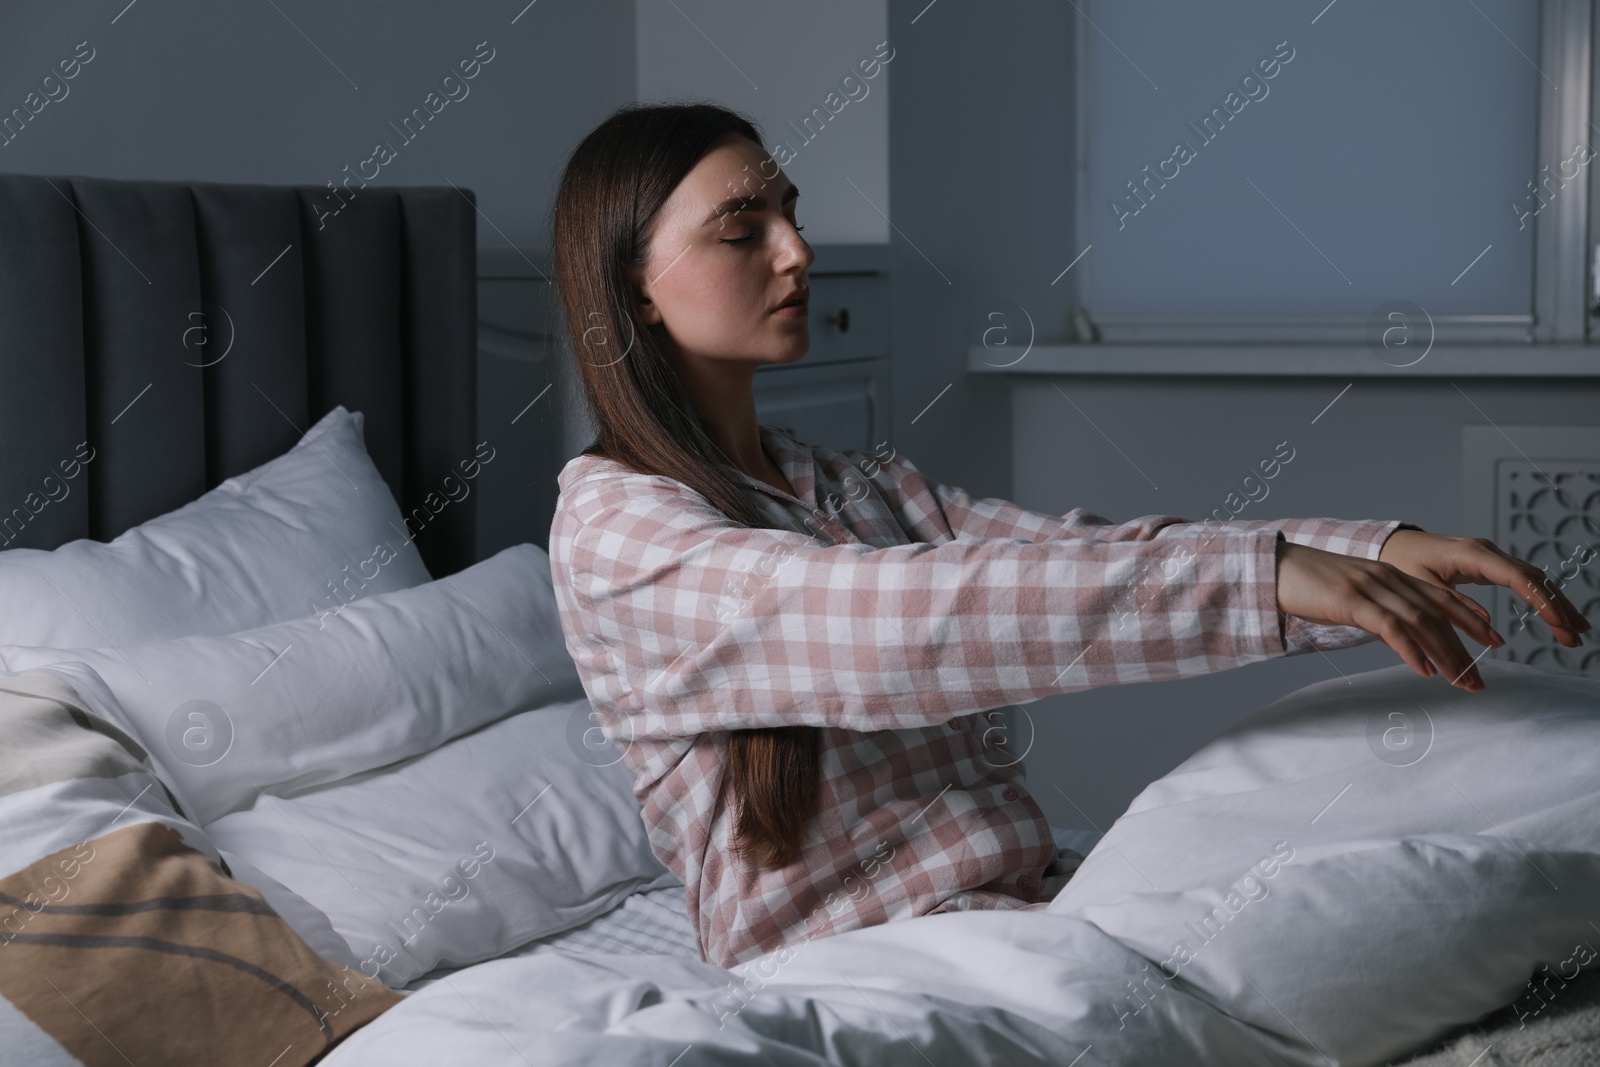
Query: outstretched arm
{"type": "Point", "coordinates": [703, 624]}
{"type": "Point", "coordinates": [917, 497]}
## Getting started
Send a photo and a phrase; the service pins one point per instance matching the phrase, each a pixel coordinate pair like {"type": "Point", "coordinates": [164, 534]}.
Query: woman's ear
{"type": "Point", "coordinates": [649, 313]}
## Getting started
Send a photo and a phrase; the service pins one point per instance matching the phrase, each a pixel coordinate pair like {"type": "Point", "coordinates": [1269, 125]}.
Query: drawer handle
{"type": "Point", "coordinates": [842, 319]}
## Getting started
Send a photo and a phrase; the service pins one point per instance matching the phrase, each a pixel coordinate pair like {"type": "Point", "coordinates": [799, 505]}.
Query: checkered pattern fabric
{"type": "Point", "coordinates": [892, 613]}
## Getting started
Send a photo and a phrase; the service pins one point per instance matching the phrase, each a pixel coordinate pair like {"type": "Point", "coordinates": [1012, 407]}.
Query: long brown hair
{"type": "Point", "coordinates": [610, 193]}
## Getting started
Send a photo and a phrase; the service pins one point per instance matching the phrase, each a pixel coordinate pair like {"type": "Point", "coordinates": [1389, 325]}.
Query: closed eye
{"type": "Point", "coordinates": [746, 237]}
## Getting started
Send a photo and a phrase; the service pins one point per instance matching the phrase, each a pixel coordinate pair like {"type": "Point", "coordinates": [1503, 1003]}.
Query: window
{"type": "Point", "coordinates": [1317, 180]}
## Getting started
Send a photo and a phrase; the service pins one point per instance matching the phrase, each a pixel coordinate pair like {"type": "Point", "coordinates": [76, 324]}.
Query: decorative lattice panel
{"type": "Point", "coordinates": [1548, 514]}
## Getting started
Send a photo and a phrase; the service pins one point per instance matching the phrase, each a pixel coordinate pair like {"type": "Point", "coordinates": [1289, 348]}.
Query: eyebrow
{"type": "Point", "coordinates": [744, 203]}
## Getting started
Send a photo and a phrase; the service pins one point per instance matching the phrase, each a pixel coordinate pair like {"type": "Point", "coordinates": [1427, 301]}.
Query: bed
{"type": "Point", "coordinates": [287, 776]}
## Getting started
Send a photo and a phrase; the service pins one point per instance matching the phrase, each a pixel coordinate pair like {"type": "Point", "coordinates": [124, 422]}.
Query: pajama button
{"type": "Point", "coordinates": [1025, 882]}
{"type": "Point", "coordinates": [1011, 795]}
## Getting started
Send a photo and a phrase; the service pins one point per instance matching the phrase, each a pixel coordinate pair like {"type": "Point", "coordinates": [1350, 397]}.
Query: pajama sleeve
{"type": "Point", "coordinates": [732, 627]}
{"type": "Point", "coordinates": [993, 517]}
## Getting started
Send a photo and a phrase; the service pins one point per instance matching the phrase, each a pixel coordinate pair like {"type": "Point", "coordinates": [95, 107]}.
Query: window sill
{"type": "Point", "coordinates": [1288, 360]}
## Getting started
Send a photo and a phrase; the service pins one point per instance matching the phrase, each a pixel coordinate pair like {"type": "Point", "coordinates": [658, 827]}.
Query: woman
{"type": "Point", "coordinates": [791, 644]}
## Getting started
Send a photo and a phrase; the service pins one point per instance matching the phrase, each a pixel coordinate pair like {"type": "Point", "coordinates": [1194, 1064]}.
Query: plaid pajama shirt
{"type": "Point", "coordinates": [888, 611]}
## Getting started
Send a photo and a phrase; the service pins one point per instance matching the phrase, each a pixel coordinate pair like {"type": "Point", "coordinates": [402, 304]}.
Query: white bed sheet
{"type": "Point", "coordinates": [656, 922]}
{"type": "Point", "coordinates": [652, 923]}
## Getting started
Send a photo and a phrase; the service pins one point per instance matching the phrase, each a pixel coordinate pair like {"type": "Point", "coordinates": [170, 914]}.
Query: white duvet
{"type": "Point", "coordinates": [1341, 878]}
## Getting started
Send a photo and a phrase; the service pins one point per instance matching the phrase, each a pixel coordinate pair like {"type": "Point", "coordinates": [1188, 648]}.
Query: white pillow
{"type": "Point", "coordinates": [457, 856]}
{"type": "Point", "coordinates": [298, 535]}
{"type": "Point", "coordinates": [1406, 843]}
{"type": "Point", "coordinates": [312, 700]}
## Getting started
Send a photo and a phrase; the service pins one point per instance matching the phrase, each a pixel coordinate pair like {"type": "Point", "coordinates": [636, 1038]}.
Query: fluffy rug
{"type": "Point", "coordinates": [1561, 1029]}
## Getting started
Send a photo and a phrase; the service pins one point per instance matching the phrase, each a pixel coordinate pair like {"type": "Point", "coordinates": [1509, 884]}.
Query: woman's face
{"type": "Point", "coordinates": [723, 253]}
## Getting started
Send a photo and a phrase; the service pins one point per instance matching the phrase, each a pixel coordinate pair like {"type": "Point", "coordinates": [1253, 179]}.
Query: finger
{"type": "Point", "coordinates": [1374, 617]}
{"type": "Point", "coordinates": [1548, 602]}
{"type": "Point", "coordinates": [1541, 595]}
{"type": "Point", "coordinates": [1471, 604]}
{"type": "Point", "coordinates": [1440, 608]}
{"type": "Point", "coordinates": [1461, 610]}
{"type": "Point", "coordinates": [1498, 567]}
{"type": "Point", "coordinates": [1426, 624]}
{"type": "Point", "coordinates": [1393, 633]}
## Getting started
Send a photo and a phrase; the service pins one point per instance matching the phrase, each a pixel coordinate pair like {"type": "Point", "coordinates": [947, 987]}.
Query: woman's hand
{"type": "Point", "coordinates": [1449, 561]}
{"type": "Point", "coordinates": [1405, 597]}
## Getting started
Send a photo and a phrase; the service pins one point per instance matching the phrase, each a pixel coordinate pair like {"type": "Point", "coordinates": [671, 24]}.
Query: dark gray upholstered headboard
{"type": "Point", "coordinates": [119, 298]}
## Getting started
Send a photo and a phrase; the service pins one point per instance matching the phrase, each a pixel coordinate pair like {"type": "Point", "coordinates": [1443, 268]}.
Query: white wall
{"type": "Point", "coordinates": [777, 64]}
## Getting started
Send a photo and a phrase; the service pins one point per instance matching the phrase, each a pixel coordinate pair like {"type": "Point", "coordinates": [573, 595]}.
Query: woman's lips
{"type": "Point", "coordinates": [793, 311]}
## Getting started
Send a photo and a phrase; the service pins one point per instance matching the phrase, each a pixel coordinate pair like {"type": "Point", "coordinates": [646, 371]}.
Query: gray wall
{"type": "Point", "coordinates": [983, 184]}
{"type": "Point", "coordinates": [980, 122]}
{"type": "Point", "coordinates": [187, 90]}
{"type": "Point", "coordinates": [778, 63]}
